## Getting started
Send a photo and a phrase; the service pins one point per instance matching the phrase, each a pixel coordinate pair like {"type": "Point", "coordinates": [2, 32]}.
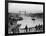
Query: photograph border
{"type": "Point", "coordinates": [27, 2]}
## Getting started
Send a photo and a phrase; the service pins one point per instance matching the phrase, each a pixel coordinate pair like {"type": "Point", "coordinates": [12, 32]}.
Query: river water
{"type": "Point", "coordinates": [27, 20]}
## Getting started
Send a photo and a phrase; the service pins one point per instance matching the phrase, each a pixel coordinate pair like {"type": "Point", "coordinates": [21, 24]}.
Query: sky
{"type": "Point", "coordinates": [29, 8]}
